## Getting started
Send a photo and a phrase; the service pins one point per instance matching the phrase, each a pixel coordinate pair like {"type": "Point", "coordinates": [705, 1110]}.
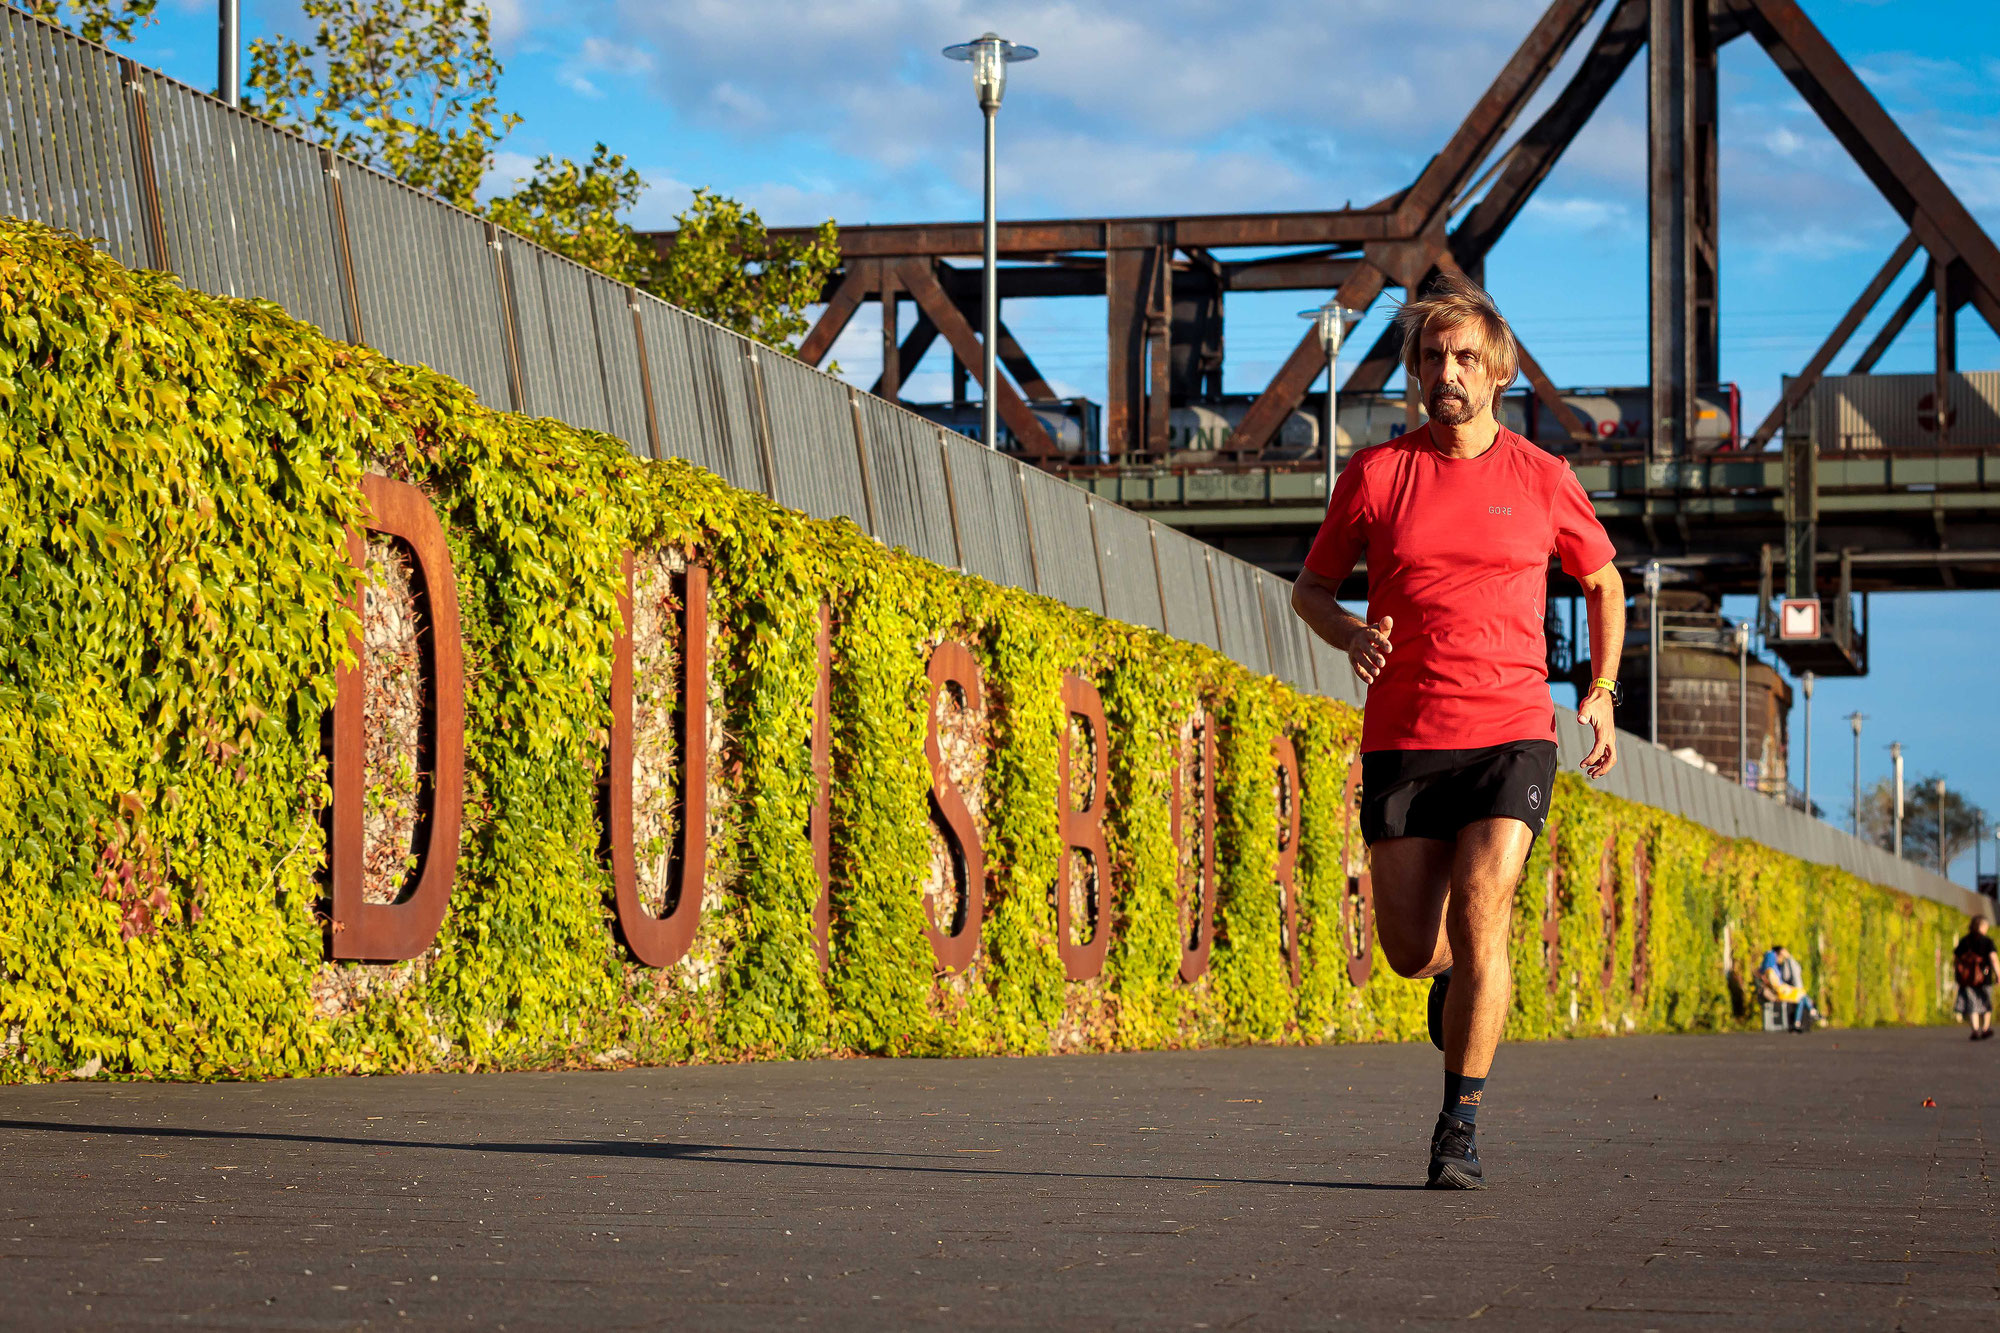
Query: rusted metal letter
{"type": "Point", "coordinates": [1285, 760]}
{"type": "Point", "coordinates": [1552, 911]}
{"type": "Point", "coordinates": [820, 827]}
{"type": "Point", "coordinates": [1083, 831]}
{"type": "Point", "coordinates": [955, 941]}
{"type": "Point", "coordinates": [661, 941]}
{"type": "Point", "coordinates": [1607, 894]}
{"type": "Point", "coordinates": [1357, 905]}
{"type": "Point", "coordinates": [1197, 922]}
{"type": "Point", "coordinates": [1642, 918]}
{"type": "Point", "coordinates": [386, 932]}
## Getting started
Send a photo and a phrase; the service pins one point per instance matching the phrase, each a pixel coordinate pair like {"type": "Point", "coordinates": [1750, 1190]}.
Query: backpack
{"type": "Point", "coordinates": [1969, 967]}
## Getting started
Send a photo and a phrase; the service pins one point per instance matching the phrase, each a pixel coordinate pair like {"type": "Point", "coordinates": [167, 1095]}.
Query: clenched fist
{"type": "Point", "coordinates": [1368, 649]}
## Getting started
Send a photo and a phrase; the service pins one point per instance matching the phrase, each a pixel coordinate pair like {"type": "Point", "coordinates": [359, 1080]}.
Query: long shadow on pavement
{"type": "Point", "coordinates": [702, 1152]}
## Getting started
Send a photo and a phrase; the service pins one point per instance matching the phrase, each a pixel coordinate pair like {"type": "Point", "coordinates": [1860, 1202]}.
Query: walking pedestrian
{"type": "Point", "coordinates": [1972, 967]}
{"type": "Point", "coordinates": [1458, 520]}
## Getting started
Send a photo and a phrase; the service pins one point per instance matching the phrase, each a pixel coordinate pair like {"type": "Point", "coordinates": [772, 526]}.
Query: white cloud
{"type": "Point", "coordinates": [1575, 213]}
{"type": "Point", "coordinates": [507, 20]}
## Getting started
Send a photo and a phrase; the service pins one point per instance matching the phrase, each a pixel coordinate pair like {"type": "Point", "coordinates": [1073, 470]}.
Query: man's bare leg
{"type": "Point", "coordinates": [1479, 913]}
{"type": "Point", "coordinates": [1412, 878]}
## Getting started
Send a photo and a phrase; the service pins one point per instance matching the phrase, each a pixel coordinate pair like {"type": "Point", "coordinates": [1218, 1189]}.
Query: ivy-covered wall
{"type": "Point", "coordinates": [178, 474]}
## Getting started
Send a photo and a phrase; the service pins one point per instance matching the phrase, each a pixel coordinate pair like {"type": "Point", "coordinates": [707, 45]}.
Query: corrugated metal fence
{"type": "Point", "coordinates": [170, 178]}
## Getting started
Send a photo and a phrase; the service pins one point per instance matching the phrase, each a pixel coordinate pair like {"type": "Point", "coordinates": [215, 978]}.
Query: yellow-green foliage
{"type": "Point", "coordinates": [177, 473]}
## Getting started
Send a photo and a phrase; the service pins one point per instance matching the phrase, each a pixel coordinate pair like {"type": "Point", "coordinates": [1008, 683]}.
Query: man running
{"type": "Point", "coordinates": [1458, 741]}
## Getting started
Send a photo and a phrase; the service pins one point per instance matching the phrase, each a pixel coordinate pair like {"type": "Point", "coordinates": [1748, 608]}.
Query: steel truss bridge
{"type": "Point", "coordinates": [1815, 521]}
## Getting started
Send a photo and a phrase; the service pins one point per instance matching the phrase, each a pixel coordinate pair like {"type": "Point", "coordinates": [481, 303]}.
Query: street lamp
{"type": "Point", "coordinates": [226, 42]}
{"type": "Point", "coordinates": [1943, 869]}
{"type": "Point", "coordinates": [990, 56]}
{"type": "Point", "coordinates": [1855, 719]}
{"type": "Point", "coordinates": [1806, 683]}
{"type": "Point", "coordinates": [1653, 651]}
{"type": "Point", "coordinates": [1742, 701]}
{"type": "Point", "coordinates": [1896, 758]}
{"type": "Point", "coordinates": [1333, 319]}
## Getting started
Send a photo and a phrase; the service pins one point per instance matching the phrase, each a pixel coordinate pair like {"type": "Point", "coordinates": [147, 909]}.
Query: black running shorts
{"type": "Point", "coordinates": [1435, 793]}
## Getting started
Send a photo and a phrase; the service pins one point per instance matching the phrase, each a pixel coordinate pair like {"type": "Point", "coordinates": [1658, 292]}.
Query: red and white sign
{"type": "Point", "coordinates": [1798, 618]}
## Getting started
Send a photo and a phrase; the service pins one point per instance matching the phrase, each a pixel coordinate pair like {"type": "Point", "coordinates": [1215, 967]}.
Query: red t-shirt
{"type": "Point", "coordinates": [1458, 554]}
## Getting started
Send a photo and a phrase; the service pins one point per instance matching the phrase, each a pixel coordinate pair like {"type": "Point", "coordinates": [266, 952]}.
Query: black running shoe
{"type": "Point", "coordinates": [1454, 1156]}
{"type": "Point", "coordinates": [1439, 985]}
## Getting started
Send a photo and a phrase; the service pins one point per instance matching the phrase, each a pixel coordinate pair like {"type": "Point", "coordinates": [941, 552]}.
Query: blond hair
{"type": "Point", "coordinates": [1452, 300]}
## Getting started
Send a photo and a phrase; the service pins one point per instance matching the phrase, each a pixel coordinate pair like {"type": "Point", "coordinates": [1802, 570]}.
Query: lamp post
{"type": "Point", "coordinates": [1896, 759]}
{"type": "Point", "coordinates": [227, 80]}
{"type": "Point", "coordinates": [990, 56]}
{"type": "Point", "coordinates": [1742, 701]}
{"type": "Point", "coordinates": [1806, 683]}
{"type": "Point", "coordinates": [1653, 651]}
{"type": "Point", "coordinates": [1332, 319]}
{"type": "Point", "coordinates": [1855, 720]}
{"type": "Point", "coordinates": [1943, 868]}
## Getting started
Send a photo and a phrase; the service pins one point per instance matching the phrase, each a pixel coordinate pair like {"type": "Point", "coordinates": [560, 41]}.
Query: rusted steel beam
{"type": "Point", "coordinates": [1288, 387]}
{"type": "Point", "coordinates": [1288, 275]}
{"type": "Point", "coordinates": [887, 288]}
{"type": "Point", "coordinates": [1538, 150]}
{"type": "Point", "coordinates": [1159, 343]}
{"type": "Point", "coordinates": [1015, 358]}
{"type": "Point", "coordinates": [1375, 222]}
{"type": "Point", "coordinates": [931, 297]}
{"type": "Point", "coordinates": [1670, 207]}
{"type": "Point", "coordinates": [1871, 137]}
{"type": "Point", "coordinates": [1803, 382]}
{"type": "Point", "coordinates": [1899, 318]}
{"type": "Point", "coordinates": [1987, 304]}
{"type": "Point", "coordinates": [840, 307]}
{"type": "Point", "coordinates": [1546, 392]}
{"type": "Point", "coordinates": [1946, 282]}
{"type": "Point", "coordinates": [1704, 217]}
{"type": "Point", "coordinates": [912, 349]}
{"type": "Point", "coordinates": [1125, 354]}
{"type": "Point", "coordinates": [1481, 130]}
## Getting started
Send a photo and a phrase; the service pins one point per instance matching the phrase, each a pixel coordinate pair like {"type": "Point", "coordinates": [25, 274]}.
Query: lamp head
{"type": "Point", "coordinates": [1331, 321]}
{"type": "Point", "coordinates": [989, 55]}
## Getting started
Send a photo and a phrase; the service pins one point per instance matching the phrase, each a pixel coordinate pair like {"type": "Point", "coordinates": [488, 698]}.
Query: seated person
{"type": "Point", "coordinates": [1779, 981]}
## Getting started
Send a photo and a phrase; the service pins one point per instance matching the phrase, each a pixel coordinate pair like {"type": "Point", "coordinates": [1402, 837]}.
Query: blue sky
{"type": "Point", "coordinates": [846, 110]}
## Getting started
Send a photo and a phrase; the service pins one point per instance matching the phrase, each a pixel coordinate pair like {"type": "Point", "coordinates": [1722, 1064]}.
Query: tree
{"type": "Point", "coordinates": [1963, 821]}
{"type": "Point", "coordinates": [574, 210]}
{"type": "Point", "coordinates": [405, 86]}
{"type": "Point", "coordinates": [724, 266]}
{"type": "Point", "coordinates": [92, 19]}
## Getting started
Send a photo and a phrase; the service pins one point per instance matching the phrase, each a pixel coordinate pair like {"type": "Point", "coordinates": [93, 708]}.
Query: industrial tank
{"type": "Point", "coordinates": [1699, 690]}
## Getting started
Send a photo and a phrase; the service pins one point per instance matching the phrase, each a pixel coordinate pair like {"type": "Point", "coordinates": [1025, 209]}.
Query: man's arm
{"type": "Point", "coordinates": [1604, 601]}
{"type": "Point", "coordinates": [1366, 646]}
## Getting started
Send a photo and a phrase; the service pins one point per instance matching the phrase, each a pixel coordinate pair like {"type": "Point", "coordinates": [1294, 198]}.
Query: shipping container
{"type": "Point", "coordinates": [1845, 413]}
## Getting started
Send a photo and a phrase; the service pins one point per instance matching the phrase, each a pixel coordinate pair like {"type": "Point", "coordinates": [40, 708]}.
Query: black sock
{"type": "Point", "coordinates": [1462, 1096]}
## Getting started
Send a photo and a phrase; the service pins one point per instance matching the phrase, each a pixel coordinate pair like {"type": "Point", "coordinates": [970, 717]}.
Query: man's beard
{"type": "Point", "coordinates": [1451, 408]}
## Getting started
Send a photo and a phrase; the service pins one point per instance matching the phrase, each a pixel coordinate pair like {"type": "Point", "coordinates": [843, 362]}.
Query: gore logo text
{"type": "Point", "coordinates": [1500, 509]}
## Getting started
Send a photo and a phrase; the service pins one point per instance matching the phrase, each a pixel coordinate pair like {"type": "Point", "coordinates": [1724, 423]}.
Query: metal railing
{"type": "Point", "coordinates": [169, 178]}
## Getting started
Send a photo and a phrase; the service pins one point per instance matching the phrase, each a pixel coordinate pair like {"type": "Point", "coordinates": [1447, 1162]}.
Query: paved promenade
{"type": "Point", "coordinates": [1743, 1182]}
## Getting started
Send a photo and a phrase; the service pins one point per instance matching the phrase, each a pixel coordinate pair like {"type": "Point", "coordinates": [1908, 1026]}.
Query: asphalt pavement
{"type": "Point", "coordinates": [1762, 1182]}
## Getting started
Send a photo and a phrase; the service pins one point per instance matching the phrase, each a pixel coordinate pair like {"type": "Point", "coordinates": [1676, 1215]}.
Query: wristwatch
{"type": "Point", "coordinates": [1606, 683]}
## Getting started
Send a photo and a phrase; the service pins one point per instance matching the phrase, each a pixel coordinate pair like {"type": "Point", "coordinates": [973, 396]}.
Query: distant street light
{"type": "Point", "coordinates": [990, 56]}
{"type": "Point", "coordinates": [1806, 683]}
{"type": "Point", "coordinates": [1896, 758]}
{"type": "Point", "coordinates": [1332, 319]}
{"type": "Point", "coordinates": [1742, 701]}
{"type": "Point", "coordinates": [1653, 651]}
{"type": "Point", "coordinates": [1943, 869]}
{"type": "Point", "coordinates": [226, 46]}
{"type": "Point", "coordinates": [1855, 720]}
